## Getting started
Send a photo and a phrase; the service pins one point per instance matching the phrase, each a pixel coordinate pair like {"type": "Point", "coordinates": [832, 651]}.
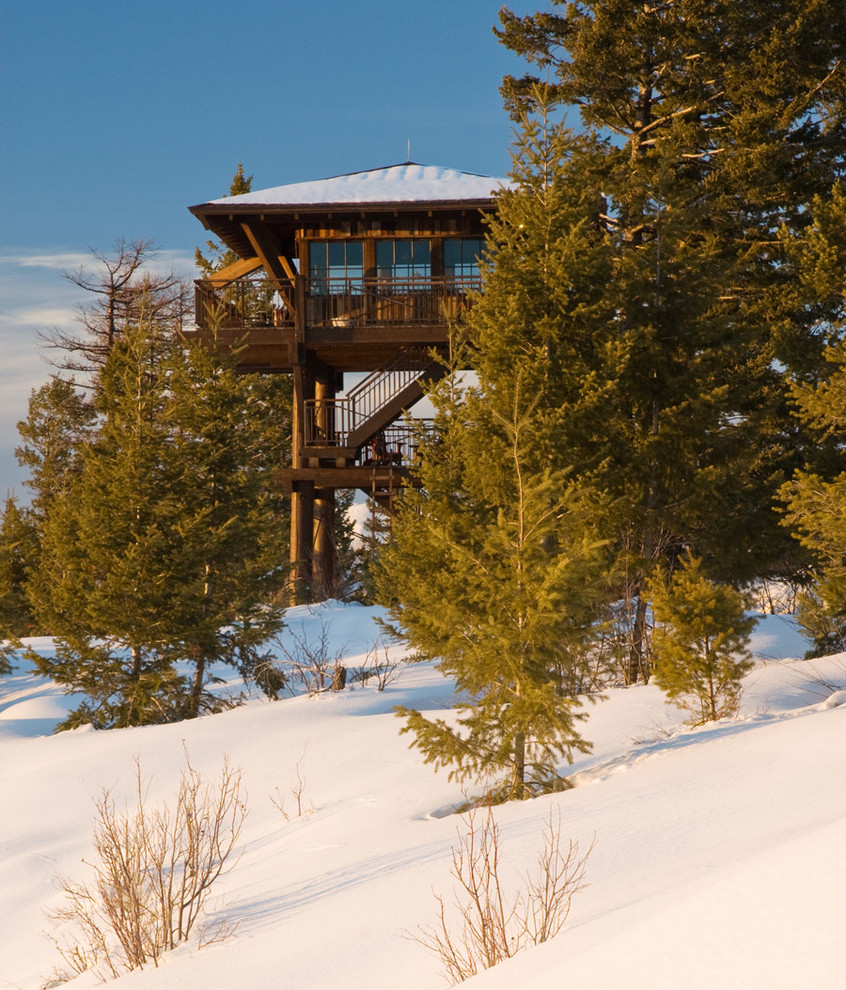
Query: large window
{"type": "Point", "coordinates": [334, 264]}
{"type": "Point", "coordinates": [461, 257]}
{"type": "Point", "coordinates": [403, 259]}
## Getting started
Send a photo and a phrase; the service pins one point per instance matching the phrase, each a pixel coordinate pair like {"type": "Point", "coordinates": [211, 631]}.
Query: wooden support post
{"type": "Point", "coordinates": [302, 539]}
{"type": "Point", "coordinates": [324, 412]}
{"type": "Point", "coordinates": [302, 494]}
{"type": "Point", "coordinates": [325, 559]}
{"type": "Point", "coordinates": [324, 578]}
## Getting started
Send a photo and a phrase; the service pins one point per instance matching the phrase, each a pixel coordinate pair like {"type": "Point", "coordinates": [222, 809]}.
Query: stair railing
{"type": "Point", "coordinates": [329, 422]}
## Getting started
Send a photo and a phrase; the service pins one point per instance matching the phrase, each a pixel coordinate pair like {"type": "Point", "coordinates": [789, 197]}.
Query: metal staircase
{"type": "Point", "coordinates": [366, 411]}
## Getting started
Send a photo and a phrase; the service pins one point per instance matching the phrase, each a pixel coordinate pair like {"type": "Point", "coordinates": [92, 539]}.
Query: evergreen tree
{"type": "Point", "coordinates": [57, 427]}
{"type": "Point", "coordinates": [814, 498]}
{"type": "Point", "coordinates": [159, 526]}
{"type": "Point", "coordinates": [165, 546]}
{"type": "Point", "coordinates": [18, 547]}
{"type": "Point", "coordinates": [815, 509]}
{"type": "Point", "coordinates": [230, 431]}
{"type": "Point", "coordinates": [59, 422]}
{"type": "Point", "coordinates": [492, 569]}
{"type": "Point", "coordinates": [104, 586]}
{"type": "Point", "coordinates": [18, 552]}
{"type": "Point", "coordinates": [219, 256]}
{"type": "Point", "coordinates": [700, 642]}
{"type": "Point", "coordinates": [726, 121]}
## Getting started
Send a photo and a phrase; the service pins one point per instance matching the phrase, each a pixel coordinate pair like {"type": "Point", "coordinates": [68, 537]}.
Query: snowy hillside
{"type": "Point", "coordinates": [718, 858]}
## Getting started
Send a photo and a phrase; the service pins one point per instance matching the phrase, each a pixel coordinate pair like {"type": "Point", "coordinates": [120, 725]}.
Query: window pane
{"type": "Point", "coordinates": [422, 255]}
{"type": "Point", "coordinates": [317, 257]}
{"type": "Point", "coordinates": [461, 256]}
{"type": "Point", "coordinates": [334, 264]}
{"type": "Point", "coordinates": [403, 258]}
{"type": "Point", "coordinates": [337, 255]}
{"type": "Point", "coordinates": [402, 253]}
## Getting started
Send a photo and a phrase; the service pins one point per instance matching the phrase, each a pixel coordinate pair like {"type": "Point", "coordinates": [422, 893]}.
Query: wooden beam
{"type": "Point", "coordinates": [238, 269]}
{"type": "Point", "coordinates": [362, 476]}
{"type": "Point", "coordinates": [266, 247]}
{"type": "Point", "coordinates": [324, 566]}
{"type": "Point", "coordinates": [289, 270]}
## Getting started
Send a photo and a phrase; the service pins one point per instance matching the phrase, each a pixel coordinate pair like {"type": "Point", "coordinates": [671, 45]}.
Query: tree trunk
{"type": "Point", "coordinates": [518, 778]}
{"type": "Point", "coordinates": [197, 686]}
{"type": "Point", "coordinates": [638, 652]}
{"type": "Point", "coordinates": [339, 677]}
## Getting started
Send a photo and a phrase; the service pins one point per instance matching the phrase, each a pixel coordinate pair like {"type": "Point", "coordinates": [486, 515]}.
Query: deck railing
{"type": "Point", "coordinates": [394, 445]}
{"type": "Point", "coordinates": [253, 302]}
{"type": "Point", "coordinates": [379, 387]}
{"type": "Point", "coordinates": [247, 303]}
{"type": "Point", "coordinates": [328, 422]}
{"type": "Point", "coordinates": [337, 302]}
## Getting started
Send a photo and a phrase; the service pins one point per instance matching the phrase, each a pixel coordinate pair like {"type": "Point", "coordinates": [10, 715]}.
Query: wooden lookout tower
{"type": "Point", "coordinates": [358, 275]}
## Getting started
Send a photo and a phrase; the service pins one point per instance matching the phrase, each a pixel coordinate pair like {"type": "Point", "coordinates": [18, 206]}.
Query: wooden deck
{"type": "Point", "coordinates": [348, 349]}
{"type": "Point", "coordinates": [351, 327]}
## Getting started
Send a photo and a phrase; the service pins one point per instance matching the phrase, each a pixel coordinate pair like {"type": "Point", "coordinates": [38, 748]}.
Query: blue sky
{"type": "Point", "coordinates": [116, 117]}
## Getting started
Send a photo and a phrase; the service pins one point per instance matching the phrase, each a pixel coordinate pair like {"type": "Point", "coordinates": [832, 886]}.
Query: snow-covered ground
{"type": "Point", "coordinates": [718, 858]}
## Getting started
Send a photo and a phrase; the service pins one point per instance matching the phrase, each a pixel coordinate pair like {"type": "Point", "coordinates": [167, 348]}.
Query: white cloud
{"type": "Point", "coordinates": [57, 262]}
{"type": "Point", "coordinates": [35, 316]}
{"type": "Point", "coordinates": [60, 261]}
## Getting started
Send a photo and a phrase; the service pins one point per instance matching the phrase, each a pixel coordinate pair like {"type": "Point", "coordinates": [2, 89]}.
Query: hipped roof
{"type": "Point", "coordinates": [405, 183]}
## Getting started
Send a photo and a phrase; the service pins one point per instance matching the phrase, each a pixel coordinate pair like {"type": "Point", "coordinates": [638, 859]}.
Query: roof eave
{"type": "Point", "coordinates": [251, 209]}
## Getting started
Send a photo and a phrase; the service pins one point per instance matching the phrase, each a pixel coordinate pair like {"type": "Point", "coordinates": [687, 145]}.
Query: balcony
{"type": "Point", "coordinates": [246, 304]}
{"type": "Point", "coordinates": [257, 303]}
{"type": "Point", "coordinates": [370, 302]}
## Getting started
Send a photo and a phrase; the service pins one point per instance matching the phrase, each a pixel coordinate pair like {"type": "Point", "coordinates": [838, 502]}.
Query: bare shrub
{"type": "Point", "coordinates": [311, 661]}
{"type": "Point", "coordinates": [484, 926]}
{"type": "Point", "coordinates": [297, 792]}
{"type": "Point", "coordinates": [154, 869]}
{"type": "Point", "coordinates": [379, 667]}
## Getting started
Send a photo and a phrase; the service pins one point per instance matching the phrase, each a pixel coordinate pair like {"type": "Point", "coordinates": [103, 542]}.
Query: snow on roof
{"type": "Point", "coordinates": [406, 183]}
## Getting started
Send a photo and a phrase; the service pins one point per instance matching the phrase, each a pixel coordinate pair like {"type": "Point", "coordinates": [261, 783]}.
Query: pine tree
{"type": "Point", "coordinates": [59, 422]}
{"type": "Point", "coordinates": [815, 511]}
{"type": "Point", "coordinates": [814, 497]}
{"type": "Point", "coordinates": [815, 506]}
{"type": "Point", "coordinates": [18, 554]}
{"type": "Point", "coordinates": [727, 120]}
{"type": "Point", "coordinates": [58, 425]}
{"type": "Point", "coordinates": [164, 546]}
{"type": "Point", "coordinates": [18, 547]}
{"type": "Point", "coordinates": [492, 569]}
{"type": "Point", "coordinates": [219, 256]}
{"type": "Point", "coordinates": [104, 585]}
{"type": "Point", "coordinates": [229, 434]}
{"type": "Point", "coordinates": [700, 642]}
